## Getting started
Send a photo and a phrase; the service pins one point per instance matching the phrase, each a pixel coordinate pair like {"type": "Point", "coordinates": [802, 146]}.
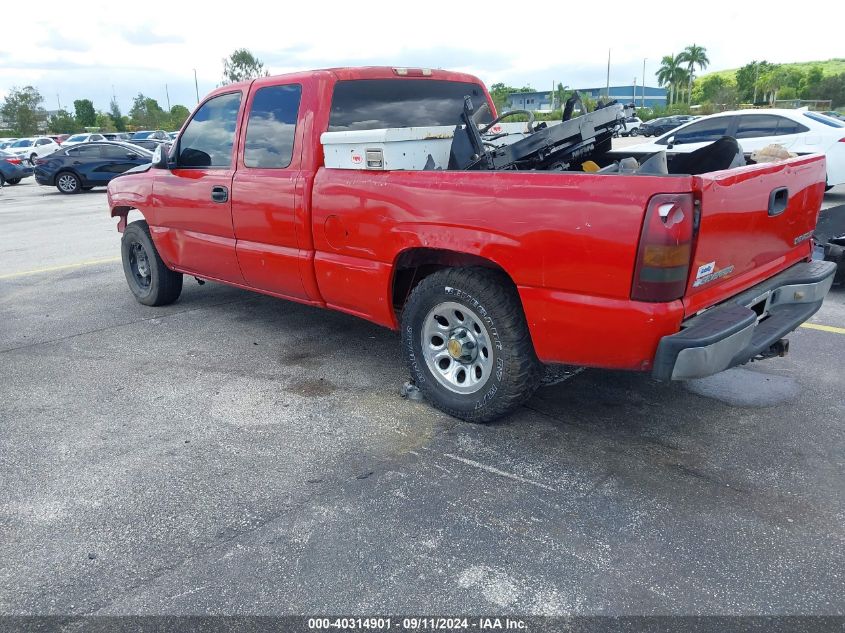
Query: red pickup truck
{"type": "Point", "coordinates": [488, 274]}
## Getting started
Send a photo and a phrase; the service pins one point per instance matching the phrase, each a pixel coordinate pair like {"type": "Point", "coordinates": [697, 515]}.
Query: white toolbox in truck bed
{"type": "Point", "coordinates": [405, 148]}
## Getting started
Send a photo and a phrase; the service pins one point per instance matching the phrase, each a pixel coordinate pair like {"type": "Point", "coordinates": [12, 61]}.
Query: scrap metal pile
{"type": "Point", "coordinates": [549, 147]}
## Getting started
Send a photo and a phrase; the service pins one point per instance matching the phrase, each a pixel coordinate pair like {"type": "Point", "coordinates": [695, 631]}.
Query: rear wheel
{"type": "Point", "coordinates": [467, 344]}
{"type": "Point", "coordinates": [149, 279]}
{"type": "Point", "coordinates": [2, 181]}
{"type": "Point", "coordinates": [67, 182]}
{"type": "Point", "coordinates": [33, 158]}
{"type": "Point", "coordinates": [634, 132]}
{"type": "Point", "coordinates": [14, 181]}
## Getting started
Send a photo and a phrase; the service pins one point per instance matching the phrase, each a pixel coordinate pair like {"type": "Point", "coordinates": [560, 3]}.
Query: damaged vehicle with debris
{"type": "Point", "coordinates": [496, 246]}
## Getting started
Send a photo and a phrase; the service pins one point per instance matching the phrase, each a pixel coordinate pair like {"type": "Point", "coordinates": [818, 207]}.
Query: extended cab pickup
{"type": "Point", "coordinates": [488, 274]}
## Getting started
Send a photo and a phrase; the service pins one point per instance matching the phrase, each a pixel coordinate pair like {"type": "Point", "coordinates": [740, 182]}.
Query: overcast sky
{"type": "Point", "coordinates": [141, 47]}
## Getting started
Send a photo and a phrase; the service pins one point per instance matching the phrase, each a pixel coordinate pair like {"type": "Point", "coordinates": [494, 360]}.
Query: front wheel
{"type": "Point", "coordinates": [467, 344]}
{"type": "Point", "coordinates": [634, 132]}
{"type": "Point", "coordinates": [149, 279]}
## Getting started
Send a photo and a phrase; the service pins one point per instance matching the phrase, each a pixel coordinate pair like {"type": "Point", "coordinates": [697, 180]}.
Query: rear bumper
{"type": "Point", "coordinates": [733, 333]}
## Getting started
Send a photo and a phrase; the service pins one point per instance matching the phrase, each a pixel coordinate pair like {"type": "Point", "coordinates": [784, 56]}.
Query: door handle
{"type": "Point", "coordinates": [219, 193]}
{"type": "Point", "coordinates": [778, 200]}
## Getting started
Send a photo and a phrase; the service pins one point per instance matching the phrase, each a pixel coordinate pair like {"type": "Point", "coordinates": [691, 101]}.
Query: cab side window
{"type": "Point", "coordinates": [210, 136]}
{"type": "Point", "coordinates": [272, 126]}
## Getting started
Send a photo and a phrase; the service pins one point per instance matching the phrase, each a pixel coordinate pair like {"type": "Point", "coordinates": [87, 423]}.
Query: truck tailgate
{"type": "Point", "coordinates": [755, 222]}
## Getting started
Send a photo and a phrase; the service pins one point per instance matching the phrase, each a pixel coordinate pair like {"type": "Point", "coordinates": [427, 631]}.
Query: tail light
{"type": "Point", "coordinates": [665, 251]}
{"type": "Point", "coordinates": [14, 161]}
{"type": "Point", "coordinates": [40, 161]}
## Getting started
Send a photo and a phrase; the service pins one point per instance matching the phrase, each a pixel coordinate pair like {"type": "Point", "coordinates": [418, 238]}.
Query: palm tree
{"type": "Point", "coordinates": [667, 75]}
{"type": "Point", "coordinates": [693, 56]}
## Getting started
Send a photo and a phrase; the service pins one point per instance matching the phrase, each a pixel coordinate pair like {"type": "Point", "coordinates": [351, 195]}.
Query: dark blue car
{"type": "Point", "coordinates": [13, 169]}
{"type": "Point", "coordinates": [88, 165]}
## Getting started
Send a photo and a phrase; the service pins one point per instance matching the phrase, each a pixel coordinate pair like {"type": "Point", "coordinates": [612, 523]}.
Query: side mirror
{"type": "Point", "coordinates": [670, 142]}
{"type": "Point", "coordinates": [160, 158]}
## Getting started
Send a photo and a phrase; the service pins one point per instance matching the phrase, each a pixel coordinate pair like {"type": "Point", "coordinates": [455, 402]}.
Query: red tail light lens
{"type": "Point", "coordinates": [14, 161]}
{"type": "Point", "coordinates": [665, 251]}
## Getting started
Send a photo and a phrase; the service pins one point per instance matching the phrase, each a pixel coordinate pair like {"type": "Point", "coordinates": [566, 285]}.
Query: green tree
{"type": "Point", "coordinates": [63, 123]}
{"type": "Point", "coordinates": [105, 122]}
{"type": "Point", "coordinates": [86, 116]}
{"type": "Point", "coordinates": [116, 116]}
{"type": "Point", "coordinates": [22, 109]}
{"type": "Point", "coordinates": [831, 87]}
{"type": "Point", "coordinates": [499, 92]}
{"type": "Point", "coordinates": [694, 57]}
{"type": "Point", "coordinates": [242, 65]}
{"type": "Point", "coordinates": [147, 114]}
{"type": "Point", "coordinates": [178, 116]}
{"type": "Point", "coordinates": [670, 74]}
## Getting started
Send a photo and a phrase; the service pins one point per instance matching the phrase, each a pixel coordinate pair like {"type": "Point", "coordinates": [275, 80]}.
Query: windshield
{"type": "Point", "coordinates": [24, 142]}
{"type": "Point", "coordinates": [141, 135]}
{"type": "Point", "coordinates": [77, 138]}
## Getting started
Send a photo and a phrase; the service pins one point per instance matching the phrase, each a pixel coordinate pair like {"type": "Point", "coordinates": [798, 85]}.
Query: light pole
{"type": "Point", "coordinates": [642, 102]}
{"type": "Point", "coordinates": [196, 85]}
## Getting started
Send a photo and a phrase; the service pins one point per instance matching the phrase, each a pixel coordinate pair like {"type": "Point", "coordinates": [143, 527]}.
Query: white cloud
{"type": "Point", "coordinates": [518, 44]}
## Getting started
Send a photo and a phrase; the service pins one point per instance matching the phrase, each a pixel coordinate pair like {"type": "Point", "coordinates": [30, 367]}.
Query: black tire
{"type": "Point", "coordinates": [152, 283]}
{"type": "Point", "coordinates": [487, 298]}
{"type": "Point", "coordinates": [68, 183]}
{"type": "Point", "coordinates": [87, 188]}
{"type": "Point", "coordinates": [14, 181]}
{"type": "Point", "coordinates": [634, 132]}
{"type": "Point", "coordinates": [33, 158]}
{"type": "Point", "coordinates": [2, 181]}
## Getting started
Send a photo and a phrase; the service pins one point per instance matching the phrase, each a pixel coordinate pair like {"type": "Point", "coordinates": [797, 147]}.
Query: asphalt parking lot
{"type": "Point", "coordinates": [237, 454]}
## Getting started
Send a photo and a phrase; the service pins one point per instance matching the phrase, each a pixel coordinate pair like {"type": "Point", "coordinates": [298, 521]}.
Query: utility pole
{"type": "Point", "coordinates": [167, 93]}
{"type": "Point", "coordinates": [607, 89]}
{"type": "Point", "coordinates": [634, 93]}
{"type": "Point", "coordinates": [59, 101]}
{"type": "Point", "coordinates": [196, 85]}
{"type": "Point", "coordinates": [643, 99]}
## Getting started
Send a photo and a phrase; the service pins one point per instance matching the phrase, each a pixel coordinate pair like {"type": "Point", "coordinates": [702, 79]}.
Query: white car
{"type": "Point", "coordinates": [34, 147]}
{"type": "Point", "coordinates": [76, 139]}
{"type": "Point", "coordinates": [632, 126]}
{"type": "Point", "coordinates": [800, 131]}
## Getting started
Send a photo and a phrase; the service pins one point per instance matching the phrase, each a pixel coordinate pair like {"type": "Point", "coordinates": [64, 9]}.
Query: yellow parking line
{"type": "Point", "coordinates": [824, 328]}
{"type": "Point", "coordinates": [51, 269]}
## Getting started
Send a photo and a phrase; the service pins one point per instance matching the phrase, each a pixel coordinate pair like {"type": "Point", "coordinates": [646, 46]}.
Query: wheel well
{"type": "Point", "coordinates": [124, 213]}
{"type": "Point", "coordinates": [415, 264]}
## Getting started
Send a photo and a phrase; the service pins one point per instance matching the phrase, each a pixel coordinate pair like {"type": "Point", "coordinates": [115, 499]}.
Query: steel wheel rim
{"type": "Point", "coordinates": [139, 264]}
{"type": "Point", "coordinates": [67, 182]}
{"type": "Point", "coordinates": [457, 347]}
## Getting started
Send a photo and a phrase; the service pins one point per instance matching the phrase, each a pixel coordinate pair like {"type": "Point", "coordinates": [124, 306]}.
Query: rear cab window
{"type": "Point", "coordinates": [371, 104]}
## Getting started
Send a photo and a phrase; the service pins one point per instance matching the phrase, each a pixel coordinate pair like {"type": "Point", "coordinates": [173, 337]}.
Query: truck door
{"type": "Point", "coordinates": [265, 190]}
{"type": "Point", "coordinates": [194, 210]}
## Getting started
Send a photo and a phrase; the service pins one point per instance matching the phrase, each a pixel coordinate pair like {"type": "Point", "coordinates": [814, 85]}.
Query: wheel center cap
{"type": "Point", "coordinates": [455, 348]}
{"type": "Point", "coordinates": [462, 346]}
